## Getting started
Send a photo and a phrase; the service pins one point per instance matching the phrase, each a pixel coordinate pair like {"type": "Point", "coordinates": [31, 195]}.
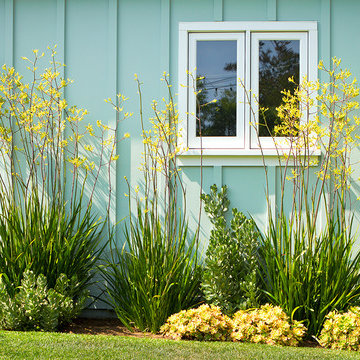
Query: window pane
{"type": "Point", "coordinates": [216, 63]}
{"type": "Point", "coordinates": [278, 60]}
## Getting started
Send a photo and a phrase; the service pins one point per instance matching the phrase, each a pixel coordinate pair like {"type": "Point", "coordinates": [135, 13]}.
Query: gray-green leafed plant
{"type": "Point", "coordinates": [230, 275]}
{"type": "Point", "coordinates": [35, 306]}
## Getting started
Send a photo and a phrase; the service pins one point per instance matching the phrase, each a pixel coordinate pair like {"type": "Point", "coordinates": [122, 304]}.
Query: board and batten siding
{"type": "Point", "coordinates": [104, 42]}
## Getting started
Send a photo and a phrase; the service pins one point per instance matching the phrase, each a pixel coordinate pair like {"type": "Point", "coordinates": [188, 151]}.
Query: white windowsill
{"type": "Point", "coordinates": [235, 157]}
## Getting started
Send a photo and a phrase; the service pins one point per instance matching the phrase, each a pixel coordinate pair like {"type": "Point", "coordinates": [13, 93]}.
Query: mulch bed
{"type": "Point", "coordinates": [103, 327]}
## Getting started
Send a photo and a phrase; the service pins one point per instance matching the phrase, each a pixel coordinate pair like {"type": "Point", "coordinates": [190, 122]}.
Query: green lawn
{"type": "Point", "coordinates": [31, 345]}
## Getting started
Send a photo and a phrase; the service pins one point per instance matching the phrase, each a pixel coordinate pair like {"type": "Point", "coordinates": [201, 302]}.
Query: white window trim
{"type": "Point", "coordinates": [247, 147]}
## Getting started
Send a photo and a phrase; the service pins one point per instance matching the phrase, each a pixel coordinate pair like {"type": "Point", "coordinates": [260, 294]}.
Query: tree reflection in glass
{"type": "Point", "coordinates": [216, 64]}
{"type": "Point", "coordinates": [278, 60]}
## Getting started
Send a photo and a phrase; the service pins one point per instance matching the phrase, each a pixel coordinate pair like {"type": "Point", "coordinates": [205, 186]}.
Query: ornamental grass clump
{"type": "Point", "coordinates": [341, 330]}
{"type": "Point", "coordinates": [203, 323]}
{"type": "Point", "coordinates": [267, 325]}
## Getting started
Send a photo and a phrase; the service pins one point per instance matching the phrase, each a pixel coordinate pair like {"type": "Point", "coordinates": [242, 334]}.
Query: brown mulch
{"type": "Point", "coordinates": [310, 343]}
{"type": "Point", "coordinates": [103, 327]}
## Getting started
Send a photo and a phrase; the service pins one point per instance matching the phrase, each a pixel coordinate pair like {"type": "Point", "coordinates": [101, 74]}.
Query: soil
{"type": "Point", "coordinates": [103, 327]}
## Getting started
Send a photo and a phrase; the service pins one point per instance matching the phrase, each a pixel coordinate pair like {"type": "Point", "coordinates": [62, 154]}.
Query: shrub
{"type": "Point", "coordinates": [230, 275]}
{"type": "Point", "coordinates": [37, 307]}
{"type": "Point", "coordinates": [268, 324]}
{"type": "Point", "coordinates": [155, 274]}
{"type": "Point", "coordinates": [204, 323]}
{"type": "Point", "coordinates": [341, 331]}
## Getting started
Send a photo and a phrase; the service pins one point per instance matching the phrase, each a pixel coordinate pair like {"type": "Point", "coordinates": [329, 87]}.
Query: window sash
{"type": "Point", "coordinates": [209, 142]}
{"type": "Point", "coordinates": [267, 142]}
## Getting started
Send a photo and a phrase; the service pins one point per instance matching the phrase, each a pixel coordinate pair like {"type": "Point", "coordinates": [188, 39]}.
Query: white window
{"type": "Point", "coordinates": [218, 60]}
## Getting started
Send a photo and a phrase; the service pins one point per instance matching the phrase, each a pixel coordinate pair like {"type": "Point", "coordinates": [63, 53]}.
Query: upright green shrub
{"type": "Point", "coordinates": [230, 275]}
{"type": "Point", "coordinates": [156, 272]}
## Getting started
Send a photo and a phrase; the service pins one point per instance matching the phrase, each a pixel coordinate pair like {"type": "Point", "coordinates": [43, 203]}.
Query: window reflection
{"type": "Point", "coordinates": [278, 60]}
{"type": "Point", "coordinates": [216, 63]}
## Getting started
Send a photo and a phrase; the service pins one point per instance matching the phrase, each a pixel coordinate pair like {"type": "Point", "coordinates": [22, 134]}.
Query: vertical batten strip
{"type": "Point", "coordinates": [271, 9]}
{"type": "Point", "coordinates": [325, 32]}
{"type": "Point", "coordinates": [325, 55]}
{"type": "Point", "coordinates": [165, 36]}
{"type": "Point", "coordinates": [218, 10]}
{"type": "Point", "coordinates": [113, 46]}
{"type": "Point", "coordinates": [218, 176]}
{"type": "Point", "coordinates": [113, 90]}
{"type": "Point", "coordinates": [9, 32]}
{"type": "Point", "coordinates": [271, 178]}
{"type": "Point", "coordinates": [60, 34]}
{"type": "Point", "coordinates": [218, 16]}
{"type": "Point", "coordinates": [248, 100]}
{"type": "Point", "coordinates": [164, 59]}
{"type": "Point", "coordinates": [9, 61]}
{"type": "Point", "coordinates": [271, 170]}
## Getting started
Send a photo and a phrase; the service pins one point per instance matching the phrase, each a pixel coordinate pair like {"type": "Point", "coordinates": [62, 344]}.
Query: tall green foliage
{"type": "Point", "coordinates": [230, 275]}
{"type": "Point", "coordinates": [49, 240]}
{"type": "Point", "coordinates": [309, 277]}
{"type": "Point", "coordinates": [154, 275]}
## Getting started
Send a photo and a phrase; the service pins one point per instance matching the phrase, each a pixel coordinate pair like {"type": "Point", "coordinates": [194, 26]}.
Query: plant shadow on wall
{"type": "Point", "coordinates": [307, 270]}
{"type": "Point", "coordinates": [50, 239]}
{"type": "Point", "coordinates": [156, 272]}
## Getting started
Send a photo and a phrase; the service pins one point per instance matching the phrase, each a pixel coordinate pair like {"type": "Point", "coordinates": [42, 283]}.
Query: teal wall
{"type": "Point", "coordinates": [104, 42]}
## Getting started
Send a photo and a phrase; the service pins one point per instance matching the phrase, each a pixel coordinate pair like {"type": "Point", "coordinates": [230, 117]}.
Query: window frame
{"type": "Point", "coordinates": [267, 142]}
{"type": "Point", "coordinates": [249, 144]}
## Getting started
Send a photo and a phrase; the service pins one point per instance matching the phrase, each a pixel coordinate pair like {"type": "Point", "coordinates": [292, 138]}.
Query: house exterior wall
{"type": "Point", "coordinates": [104, 42]}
